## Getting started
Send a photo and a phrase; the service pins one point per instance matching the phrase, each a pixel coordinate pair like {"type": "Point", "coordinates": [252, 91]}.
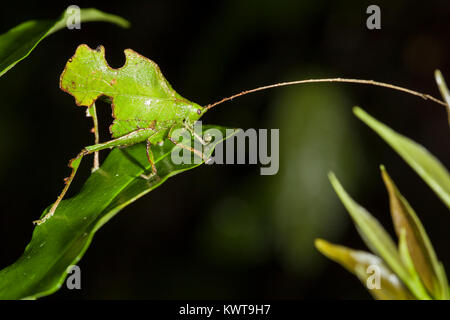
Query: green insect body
{"type": "Point", "coordinates": [145, 107]}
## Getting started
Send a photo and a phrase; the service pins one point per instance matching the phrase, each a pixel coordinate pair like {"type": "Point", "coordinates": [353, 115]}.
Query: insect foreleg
{"type": "Point", "coordinates": [191, 130]}
{"type": "Point", "coordinates": [198, 153]}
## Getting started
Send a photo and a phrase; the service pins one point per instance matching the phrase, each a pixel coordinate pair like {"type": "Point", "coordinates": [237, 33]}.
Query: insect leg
{"type": "Point", "coordinates": [191, 130]}
{"type": "Point", "coordinates": [92, 111]}
{"type": "Point", "coordinates": [198, 153]}
{"type": "Point", "coordinates": [126, 140]}
{"type": "Point", "coordinates": [74, 164]}
{"type": "Point", "coordinates": [129, 139]}
{"type": "Point", "coordinates": [151, 160]}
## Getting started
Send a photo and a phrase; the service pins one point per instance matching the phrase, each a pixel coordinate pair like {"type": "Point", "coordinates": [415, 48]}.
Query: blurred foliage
{"type": "Point", "coordinates": [414, 263]}
{"type": "Point", "coordinates": [363, 265]}
{"type": "Point", "coordinates": [430, 169]}
{"type": "Point", "coordinates": [16, 44]}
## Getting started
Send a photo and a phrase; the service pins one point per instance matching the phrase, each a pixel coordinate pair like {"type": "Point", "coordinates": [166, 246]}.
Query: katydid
{"type": "Point", "coordinates": [145, 107]}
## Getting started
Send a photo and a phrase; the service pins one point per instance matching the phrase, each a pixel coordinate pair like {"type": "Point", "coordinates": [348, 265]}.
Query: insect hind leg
{"type": "Point", "coordinates": [134, 137]}
{"type": "Point", "coordinates": [74, 164]}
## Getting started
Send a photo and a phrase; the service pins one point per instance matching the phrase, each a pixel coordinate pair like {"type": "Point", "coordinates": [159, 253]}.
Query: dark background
{"type": "Point", "coordinates": [234, 233]}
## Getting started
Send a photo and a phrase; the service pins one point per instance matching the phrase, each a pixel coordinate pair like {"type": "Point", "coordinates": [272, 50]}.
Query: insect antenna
{"type": "Point", "coordinates": [345, 80]}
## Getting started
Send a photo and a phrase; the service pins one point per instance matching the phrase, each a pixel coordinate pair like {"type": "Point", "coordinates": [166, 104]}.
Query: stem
{"type": "Point", "coordinates": [359, 81]}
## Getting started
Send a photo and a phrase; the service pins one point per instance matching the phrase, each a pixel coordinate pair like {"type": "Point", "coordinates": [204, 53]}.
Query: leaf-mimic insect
{"type": "Point", "coordinates": [145, 107]}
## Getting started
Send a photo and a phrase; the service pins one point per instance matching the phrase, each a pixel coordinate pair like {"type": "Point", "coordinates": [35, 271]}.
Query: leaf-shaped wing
{"type": "Point", "coordinates": [141, 96]}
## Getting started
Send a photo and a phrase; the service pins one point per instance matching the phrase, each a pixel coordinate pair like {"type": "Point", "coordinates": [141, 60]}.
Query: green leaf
{"type": "Point", "coordinates": [419, 247]}
{"type": "Point", "coordinates": [62, 240]}
{"type": "Point", "coordinates": [17, 43]}
{"type": "Point", "coordinates": [444, 90]}
{"type": "Point", "coordinates": [367, 267]}
{"type": "Point", "coordinates": [374, 235]}
{"type": "Point", "coordinates": [421, 160]}
{"type": "Point", "coordinates": [409, 264]}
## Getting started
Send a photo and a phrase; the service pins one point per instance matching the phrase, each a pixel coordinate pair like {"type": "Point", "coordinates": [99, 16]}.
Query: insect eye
{"type": "Point", "coordinates": [199, 112]}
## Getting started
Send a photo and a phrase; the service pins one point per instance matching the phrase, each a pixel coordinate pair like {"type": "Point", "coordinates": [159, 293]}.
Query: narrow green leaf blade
{"type": "Point", "coordinates": [62, 240]}
{"type": "Point", "coordinates": [92, 15]}
{"type": "Point", "coordinates": [372, 232]}
{"type": "Point", "coordinates": [17, 43]}
{"type": "Point", "coordinates": [367, 267]}
{"type": "Point", "coordinates": [409, 264]}
{"type": "Point", "coordinates": [418, 244]}
{"type": "Point", "coordinates": [428, 167]}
